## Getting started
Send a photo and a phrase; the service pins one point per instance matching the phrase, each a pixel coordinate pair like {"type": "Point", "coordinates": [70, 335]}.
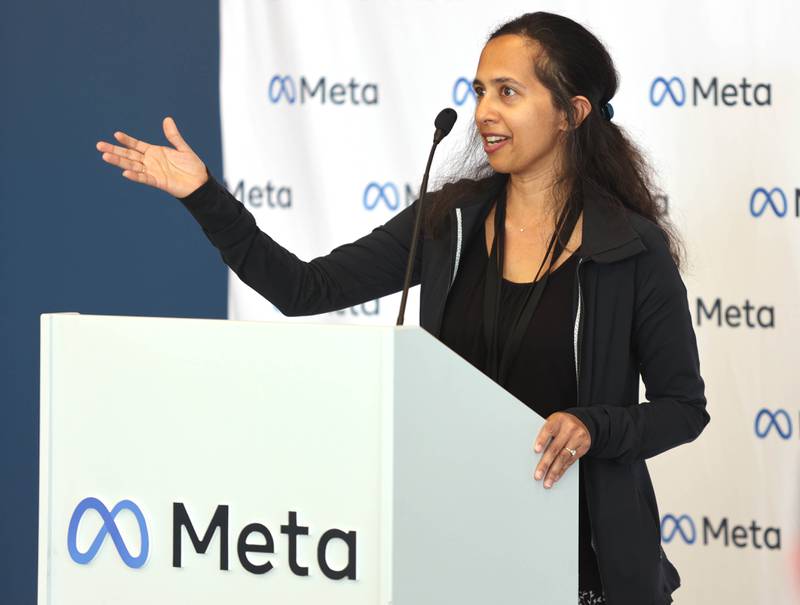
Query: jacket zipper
{"type": "Point", "coordinates": [576, 332]}
{"type": "Point", "coordinates": [459, 236]}
{"type": "Point", "coordinates": [455, 257]}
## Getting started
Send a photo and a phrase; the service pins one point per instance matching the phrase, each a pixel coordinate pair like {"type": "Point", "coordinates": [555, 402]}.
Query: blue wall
{"type": "Point", "coordinates": [75, 235]}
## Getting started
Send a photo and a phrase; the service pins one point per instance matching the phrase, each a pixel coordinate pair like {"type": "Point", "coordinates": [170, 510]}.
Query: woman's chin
{"type": "Point", "coordinates": [498, 165]}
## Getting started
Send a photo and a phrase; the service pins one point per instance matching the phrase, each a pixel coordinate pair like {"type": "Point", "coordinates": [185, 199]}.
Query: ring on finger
{"type": "Point", "coordinates": [571, 451]}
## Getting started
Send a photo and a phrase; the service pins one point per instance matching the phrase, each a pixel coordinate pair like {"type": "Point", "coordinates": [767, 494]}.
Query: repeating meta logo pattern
{"type": "Point", "coordinates": [774, 423]}
{"type": "Point", "coordinates": [683, 529]}
{"type": "Point", "coordinates": [267, 195]}
{"type": "Point", "coordinates": [387, 195]}
{"type": "Point", "coordinates": [370, 308]}
{"type": "Point", "coordinates": [672, 525]}
{"type": "Point", "coordinates": [289, 90]}
{"type": "Point", "coordinates": [732, 315]}
{"type": "Point", "coordinates": [679, 92]}
{"type": "Point", "coordinates": [463, 91]}
{"type": "Point", "coordinates": [774, 202]}
{"type": "Point", "coordinates": [109, 528]}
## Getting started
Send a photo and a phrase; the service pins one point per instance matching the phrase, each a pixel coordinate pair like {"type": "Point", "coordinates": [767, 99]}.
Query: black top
{"type": "Point", "coordinates": [543, 373]}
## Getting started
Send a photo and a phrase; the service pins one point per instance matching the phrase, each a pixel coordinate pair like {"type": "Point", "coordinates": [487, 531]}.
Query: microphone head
{"type": "Point", "coordinates": [444, 122]}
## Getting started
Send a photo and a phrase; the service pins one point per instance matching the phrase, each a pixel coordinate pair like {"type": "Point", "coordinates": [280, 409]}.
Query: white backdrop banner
{"type": "Point", "coordinates": [327, 118]}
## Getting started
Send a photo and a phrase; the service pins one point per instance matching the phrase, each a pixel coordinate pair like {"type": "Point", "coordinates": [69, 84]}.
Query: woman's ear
{"type": "Point", "coordinates": [582, 108]}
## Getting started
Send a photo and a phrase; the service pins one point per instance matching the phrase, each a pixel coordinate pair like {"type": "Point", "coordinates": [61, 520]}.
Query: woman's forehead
{"type": "Point", "coordinates": [507, 56]}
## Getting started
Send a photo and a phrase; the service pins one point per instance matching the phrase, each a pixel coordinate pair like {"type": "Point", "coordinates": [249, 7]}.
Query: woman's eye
{"type": "Point", "coordinates": [505, 88]}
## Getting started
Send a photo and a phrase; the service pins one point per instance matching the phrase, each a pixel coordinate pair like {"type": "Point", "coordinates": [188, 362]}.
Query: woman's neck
{"type": "Point", "coordinates": [530, 199]}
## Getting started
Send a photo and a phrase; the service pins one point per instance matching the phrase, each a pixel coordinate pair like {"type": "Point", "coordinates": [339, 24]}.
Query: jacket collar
{"type": "Point", "coordinates": [608, 235]}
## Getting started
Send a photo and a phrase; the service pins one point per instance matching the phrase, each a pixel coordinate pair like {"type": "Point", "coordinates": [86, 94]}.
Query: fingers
{"type": "Point", "coordinates": [564, 431]}
{"type": "Point", "coordinates": [123, 158]}
{"type": "Point", "coordinates": [173, 136]}
{"type": "Point", "coordinates": [123, 163]}
{"type": "Point", "coordinates": [140, 177]}
{"type": "Point", "coordinates": [549, 458]}
{"type": "Point", "coordinates": [124, 152]}
{"type": "Point", "coordinates": [130, 142]}
{"type": "Point", "coordinates": [549, 429]}
{"type": "Point", "coordinates": [563, 460]}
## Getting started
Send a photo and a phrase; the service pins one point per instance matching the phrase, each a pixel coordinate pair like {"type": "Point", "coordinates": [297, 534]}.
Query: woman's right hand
{"type": "Point", "coordinates": [177, 171]}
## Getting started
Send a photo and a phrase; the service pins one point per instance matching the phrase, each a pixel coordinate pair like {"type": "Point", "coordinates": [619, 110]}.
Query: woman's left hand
{"type": "Point", "coordinates": [568, 433]}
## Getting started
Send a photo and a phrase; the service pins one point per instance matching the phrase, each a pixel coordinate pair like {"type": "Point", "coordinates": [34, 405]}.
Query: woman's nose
{"type": "Point", "coordinates": [484, 112]}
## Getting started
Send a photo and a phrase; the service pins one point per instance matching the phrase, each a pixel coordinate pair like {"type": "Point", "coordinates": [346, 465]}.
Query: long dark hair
{"type": "Point", "coordinates": [598, 154]}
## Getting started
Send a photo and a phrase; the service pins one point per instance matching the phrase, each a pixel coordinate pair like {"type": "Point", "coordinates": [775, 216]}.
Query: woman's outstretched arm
{"type": "Point", "coordinates": [368, 268]}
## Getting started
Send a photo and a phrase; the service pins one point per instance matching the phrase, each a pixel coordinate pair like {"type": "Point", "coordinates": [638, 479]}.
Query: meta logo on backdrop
{"type": "Point", "coordinates": [388, 195]}
{"type": "Point", "coordinates": [682, 528]}
{"type": "Point", "coordinates": [109, 528]}
{"type": "Point", "coordinates": [463, 91]}
{"type": "Point", "coordinates": [735, 316]}
{"type": "Point", "coordinates": [283, 89]}
{"type": "Point", "coordinates": [678, 92]}
{"type": "Point", "coordinates": [775, 423]}
{"type": "Point", "coordinates": [774, 202]}
{"type": "Point", "coordinates": [368, 309]}
{"type": "Point", "coordinates": [268, 195]}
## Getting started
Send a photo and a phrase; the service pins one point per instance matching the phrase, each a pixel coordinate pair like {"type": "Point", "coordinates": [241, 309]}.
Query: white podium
{"type": "Point", "coordinates": [202, 461]}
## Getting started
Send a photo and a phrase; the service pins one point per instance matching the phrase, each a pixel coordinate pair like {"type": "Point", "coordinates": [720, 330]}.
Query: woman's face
{"type": "Point", "coordinates": [512, 103]}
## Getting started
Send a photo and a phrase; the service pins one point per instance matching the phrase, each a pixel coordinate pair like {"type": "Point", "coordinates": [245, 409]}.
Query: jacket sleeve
{"type": "Point", "coordinates": [664, 343]}
{"type": "Point", "coordinates": [368, 268]}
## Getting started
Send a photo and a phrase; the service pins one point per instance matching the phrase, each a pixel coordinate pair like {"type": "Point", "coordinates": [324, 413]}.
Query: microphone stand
{"type": "Point", "coordinates": [415, 237]}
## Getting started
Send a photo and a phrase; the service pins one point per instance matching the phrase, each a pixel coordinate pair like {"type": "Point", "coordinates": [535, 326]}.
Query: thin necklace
{"type": "Point", "coordinates": [521, 229]}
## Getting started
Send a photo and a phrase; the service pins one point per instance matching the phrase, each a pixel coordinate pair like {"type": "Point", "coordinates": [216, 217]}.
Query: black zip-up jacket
{"type": "Point", "coordinates": [630, 313]}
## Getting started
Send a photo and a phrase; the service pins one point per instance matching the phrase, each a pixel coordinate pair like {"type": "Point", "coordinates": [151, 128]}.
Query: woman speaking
{"type": "Point", "coordinates": [551, 268]}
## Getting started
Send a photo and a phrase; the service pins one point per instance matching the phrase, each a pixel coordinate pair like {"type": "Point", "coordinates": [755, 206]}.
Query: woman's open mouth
{"type": "Point", "coordinates": [492, 143]}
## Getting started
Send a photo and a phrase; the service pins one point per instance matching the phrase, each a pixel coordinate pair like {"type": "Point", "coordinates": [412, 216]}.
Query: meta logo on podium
{"type": "Point", "coordinates": [674, 91]}
{"type": "Point", "coordinates": [182, 525]}
{"type": "Point", "coordinates": [741, 536]}
{"type": "Point", "coordinates": [109, 528]}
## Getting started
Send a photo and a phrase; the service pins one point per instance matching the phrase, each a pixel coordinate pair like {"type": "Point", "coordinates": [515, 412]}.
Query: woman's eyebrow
{"type": "Point", "coordinates": [501, 80]}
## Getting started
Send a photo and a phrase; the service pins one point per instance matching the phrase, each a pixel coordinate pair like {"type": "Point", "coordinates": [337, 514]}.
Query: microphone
{"type": "Point", "coordinates": [444, 124]}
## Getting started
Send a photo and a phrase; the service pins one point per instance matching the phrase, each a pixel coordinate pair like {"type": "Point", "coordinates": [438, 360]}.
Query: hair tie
{"type": "Point", "coordinates": [607, 111]}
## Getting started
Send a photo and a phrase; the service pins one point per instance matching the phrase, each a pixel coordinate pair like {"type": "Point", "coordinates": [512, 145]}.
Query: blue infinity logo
{"type": "Point", "coordinates": [766, 420]}
{"type": "Point", "coordinates": [661, 88]}
{"type": "Point", "coordinates": [109, 528]}
{"type": "Point", "coordinates": [282, 87]}
{"type": "Point", "coordinates": [463, 91]}
{"type": "Point", "coordinates": [682, 525]}
{"type": "Point", "coordinates": [375, 193]}
{"type": "Point", "coordinates": [775, 198]}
